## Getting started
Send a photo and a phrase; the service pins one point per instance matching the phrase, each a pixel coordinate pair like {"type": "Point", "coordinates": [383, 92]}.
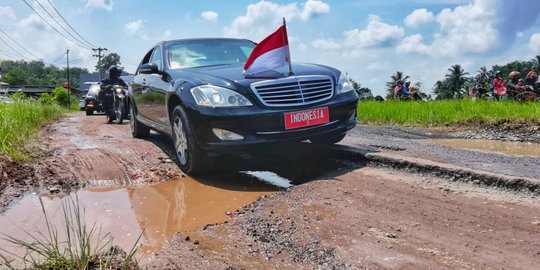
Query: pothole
{"type": "Point", "coordinates": [155, 211]}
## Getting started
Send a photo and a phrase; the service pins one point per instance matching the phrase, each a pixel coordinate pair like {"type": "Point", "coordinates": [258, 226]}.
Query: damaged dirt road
{"type": "Point", "coordinates": [341, 212]}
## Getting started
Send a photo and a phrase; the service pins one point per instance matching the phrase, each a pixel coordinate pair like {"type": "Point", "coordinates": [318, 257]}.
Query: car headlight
{"type": "Point", "coordinates": [344, 85]}
{"type": "Point", "coordinates": [215, 96]}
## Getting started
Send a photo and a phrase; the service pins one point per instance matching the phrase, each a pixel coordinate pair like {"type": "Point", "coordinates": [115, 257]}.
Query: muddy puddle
{"type": "Point", "coordinates": [156, 211]}
{"type": "Point", "coordinates": [510, 148]}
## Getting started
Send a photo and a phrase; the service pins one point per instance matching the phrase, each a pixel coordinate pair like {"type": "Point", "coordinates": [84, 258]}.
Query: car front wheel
{"type": "Point", "coordinates": [189, 155]}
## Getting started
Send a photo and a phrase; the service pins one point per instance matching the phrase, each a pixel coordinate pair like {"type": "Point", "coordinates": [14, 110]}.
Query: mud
{"type": "Point", "coordinates": [336, 212]}
{"type": "Point", "coordinates": [154, 211]}
{"type": "Point", "coordinates": [367, 218]}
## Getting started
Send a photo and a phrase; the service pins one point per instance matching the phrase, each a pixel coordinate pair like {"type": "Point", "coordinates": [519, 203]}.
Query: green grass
{"type": "Point", "coordinates": [21, 120]}
{"type": "Point", "coordinates": [78, 247]}
{"type": "Point", "coordinates": [439, 113]}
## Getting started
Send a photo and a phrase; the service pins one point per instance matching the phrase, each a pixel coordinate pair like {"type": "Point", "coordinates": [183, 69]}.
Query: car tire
{"type": "Point", "coordinates": [138, 129]}
{"type": "Point", "coordinates": [89, 112]}
{"type": "Point", "coordinates": [189, 155]}
{"type": "Point", "coordinates": [328, 139]}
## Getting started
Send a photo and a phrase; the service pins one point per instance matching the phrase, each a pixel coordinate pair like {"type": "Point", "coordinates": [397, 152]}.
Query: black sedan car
{"type": "Point", "coordinates": [194, 91]}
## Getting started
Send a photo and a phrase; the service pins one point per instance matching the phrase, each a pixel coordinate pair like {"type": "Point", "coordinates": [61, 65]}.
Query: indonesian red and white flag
{"type": "Point", "coordinates": [270, 54]}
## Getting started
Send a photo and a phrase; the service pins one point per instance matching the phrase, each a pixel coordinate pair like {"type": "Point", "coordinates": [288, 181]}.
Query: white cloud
{"type": "Point", "coordinates": [313, 8]}
{"type": "Point", "coordinates": [534, 43]}
{"type": "Point", "coordinates": [264, 17]}
{"type": "Point", "coordinates": [376, 34]}
{"type": "Point", "coordinates": [261, 19]}
{"type": "Point", "coordinates": [413, 44]}
{"type": "Point", "coordinates": [7, 13]}
{"type": "Point", "coordinates": [210, 16]}
{"type": "Point", "coordinates": [136, 28]}
{"type": "Point", "coordinates": [100, 4]}
{"type": "Point", "coordinates": [467, 29]}
{"type": "Point", "coordinates": [419, 17]}
{"type": "Point", "coordinates": [326, 45]}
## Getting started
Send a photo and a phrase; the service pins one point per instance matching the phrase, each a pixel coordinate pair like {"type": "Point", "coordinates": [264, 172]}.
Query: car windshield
{"type": "Point", "coordinates": [197, 53]}
{"type": "Point", "coordinates": [93, 90]}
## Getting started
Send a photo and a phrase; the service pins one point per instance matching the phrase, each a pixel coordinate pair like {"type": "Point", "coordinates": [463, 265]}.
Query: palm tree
{"type": "Point", "coordinates": [456, 79]}
{"type": "Point", "coordinates": [392, 83]}
{"type": "Point", "coordinates": [483, 74]}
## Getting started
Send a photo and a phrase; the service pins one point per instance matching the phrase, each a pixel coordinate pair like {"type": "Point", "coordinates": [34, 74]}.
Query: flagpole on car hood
{"type": "Point", "coordinates": [289, 50]}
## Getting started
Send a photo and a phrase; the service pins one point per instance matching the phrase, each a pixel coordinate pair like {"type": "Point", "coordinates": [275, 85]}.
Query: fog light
{"type": "Point", "coordinates": [226, 135]}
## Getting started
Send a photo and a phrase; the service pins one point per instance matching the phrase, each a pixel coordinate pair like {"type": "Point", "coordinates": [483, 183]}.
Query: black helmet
{"type": "Point", "coordinates": [114, 72]}
{"type": "Point", "coordinates": [497, 73]}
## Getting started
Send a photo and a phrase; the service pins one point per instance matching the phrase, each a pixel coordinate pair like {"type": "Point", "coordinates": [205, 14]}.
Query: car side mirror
{"type": "Point", "coordinates": [149, 68]}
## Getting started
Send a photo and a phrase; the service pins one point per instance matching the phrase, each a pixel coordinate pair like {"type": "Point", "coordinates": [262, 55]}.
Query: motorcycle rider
{"type": "Point", "coordinates": [105, 93]}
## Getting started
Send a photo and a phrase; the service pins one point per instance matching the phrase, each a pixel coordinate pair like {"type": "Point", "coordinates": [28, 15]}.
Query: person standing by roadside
{"type": "Point", "coordinates": [532, 79]}
{"type": "Point", "coordinates": [398, 89]}
{"type": "Point", "coordinates": [499, 85]}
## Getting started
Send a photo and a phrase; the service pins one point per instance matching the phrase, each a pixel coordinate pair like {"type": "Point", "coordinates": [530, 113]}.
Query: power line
{"type": "Point", "coordinates": [59, 14]}
{"type": "Point", "coordinates": [18, 43]}
{"type": "Point", "coordinates": [58, 23]}
{"type": "Point", "coordinates": [13, 49]}
{"type": "Point", "coordinates": [54, 28]}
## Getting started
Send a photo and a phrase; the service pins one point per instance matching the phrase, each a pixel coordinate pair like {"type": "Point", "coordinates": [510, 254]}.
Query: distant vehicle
{"type": "Point", "coordinates": [82, 106]}
{"type": "Point", "coordinates": [91, 101]}
{"type": "Point", "coordinates": [194, 91]}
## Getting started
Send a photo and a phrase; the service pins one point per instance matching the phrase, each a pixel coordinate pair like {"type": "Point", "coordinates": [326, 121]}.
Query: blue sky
{"type": "Point", "coordinates": [368, 39]}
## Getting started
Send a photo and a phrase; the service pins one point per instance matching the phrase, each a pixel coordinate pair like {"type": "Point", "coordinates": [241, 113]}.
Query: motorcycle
{"type": "Point", "coordinates": [115, 103]}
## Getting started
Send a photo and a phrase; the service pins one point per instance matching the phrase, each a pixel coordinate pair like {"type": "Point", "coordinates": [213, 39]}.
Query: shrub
{"type": "Point", "coordinates": [46, 99]}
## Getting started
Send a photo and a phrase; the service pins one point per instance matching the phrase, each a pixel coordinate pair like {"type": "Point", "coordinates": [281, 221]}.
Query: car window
{"type": "Point", "coordinates": [183, 54]}
{"type": "Point", "coordinates": [156, 57]}
{"type": "Point", "coordinates": [94, 89]}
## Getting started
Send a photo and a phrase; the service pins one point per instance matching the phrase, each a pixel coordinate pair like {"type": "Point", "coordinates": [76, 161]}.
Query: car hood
{"type": "Point", "coordinates": [231, 76]}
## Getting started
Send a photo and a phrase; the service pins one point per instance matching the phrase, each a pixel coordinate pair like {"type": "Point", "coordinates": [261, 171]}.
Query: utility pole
{"type": "Point", "coordinates": [98, 55]}
{"type": "Point", "coordinates": [68, 83]}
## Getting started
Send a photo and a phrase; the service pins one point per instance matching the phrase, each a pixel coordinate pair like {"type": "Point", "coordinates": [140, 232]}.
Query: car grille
{"type": "Point", "coordinates": [294, 91]}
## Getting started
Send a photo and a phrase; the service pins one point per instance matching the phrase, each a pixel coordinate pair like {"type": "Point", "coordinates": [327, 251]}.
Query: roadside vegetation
{"type": "Point", "coordinates": [73, 246]}
{"type": "Point", "coordinates": [439, 113]}
{"type": "Point", "coordinates": [22, 117]}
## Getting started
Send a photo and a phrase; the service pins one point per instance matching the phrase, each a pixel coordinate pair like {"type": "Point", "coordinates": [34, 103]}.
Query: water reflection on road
{"type": "Point", "coordinates": [158, 211]}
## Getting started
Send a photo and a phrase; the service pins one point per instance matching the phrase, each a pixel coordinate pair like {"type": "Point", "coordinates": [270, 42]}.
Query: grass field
{"type": "Point", "coordinates": [439, 113]}
{"type": "Point", "coordinates": [21, 120]}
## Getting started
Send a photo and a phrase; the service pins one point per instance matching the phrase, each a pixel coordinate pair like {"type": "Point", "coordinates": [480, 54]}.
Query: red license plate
{"type": "Point", "coordinates": [306, 118]}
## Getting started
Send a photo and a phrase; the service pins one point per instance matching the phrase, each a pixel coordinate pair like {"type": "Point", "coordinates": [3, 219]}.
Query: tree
{"type": "Point", "coordinates": [455, 81]}
{"type": "Point", "coordinates": [483, 74]}
{"type": "Point", "coordinates": [363, 92]}
{"type": "Point", "coordinates": [392, 83]}
{"type": "Point", "coordinates": [441, 90]}
{"type": "Point", "coordinates": [536, 62]}
{"type": "Point", "coordinates": [111, 59]}
{"type": "Point", "coordinates": [15, 76]}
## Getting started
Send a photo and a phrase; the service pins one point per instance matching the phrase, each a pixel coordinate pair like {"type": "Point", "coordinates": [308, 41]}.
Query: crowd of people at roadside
{"type": "Point", "coordinates": [406, 91]}
{"type": "Point", "coordinates": [516, 87]}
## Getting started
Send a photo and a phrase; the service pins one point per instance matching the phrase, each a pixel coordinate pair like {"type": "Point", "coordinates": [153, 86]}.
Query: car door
{"type": "Point", "coordinates": [157, 85]}
{"type": "Point", "coordinates": [149, 90]}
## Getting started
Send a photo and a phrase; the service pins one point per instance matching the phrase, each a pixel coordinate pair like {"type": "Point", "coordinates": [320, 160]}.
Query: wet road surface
{"type": "Point", "coordinates": [132, 187]}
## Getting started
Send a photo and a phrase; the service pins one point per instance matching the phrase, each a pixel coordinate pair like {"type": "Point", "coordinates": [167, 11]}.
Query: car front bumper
{"type": "Point", "coordinates": [262, 125]}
